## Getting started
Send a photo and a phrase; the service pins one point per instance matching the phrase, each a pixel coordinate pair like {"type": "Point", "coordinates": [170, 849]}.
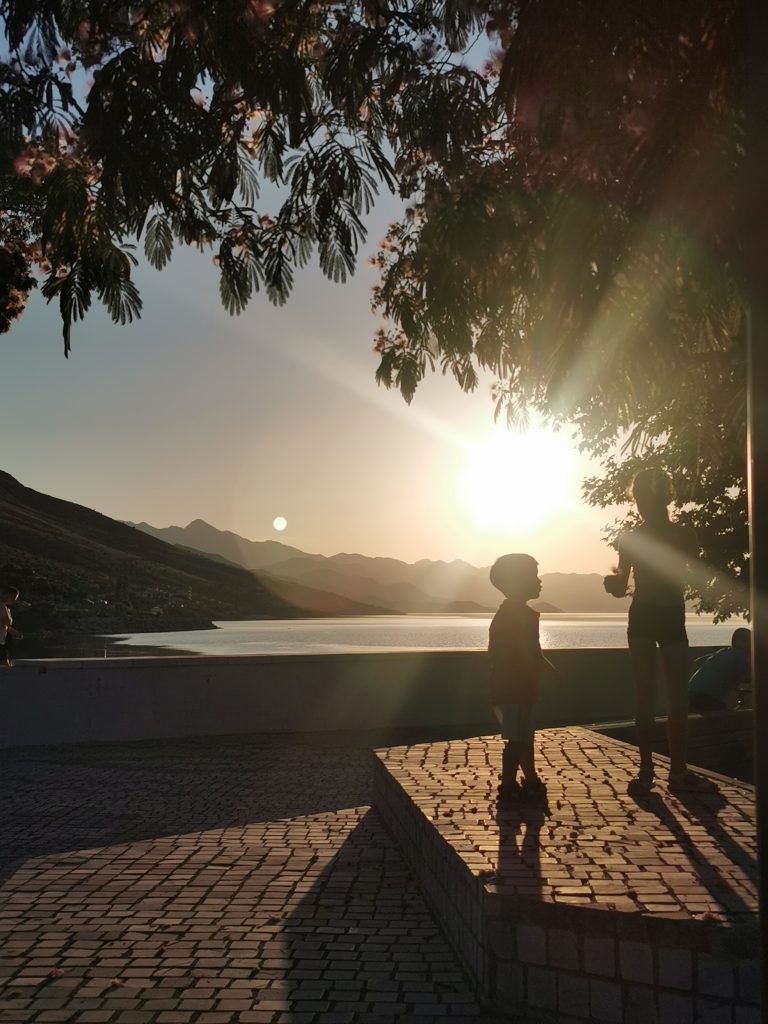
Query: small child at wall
{"type": "Point", "coordinates": [517, 665]}
{"type": "Point", "coordinates": [8, 598]}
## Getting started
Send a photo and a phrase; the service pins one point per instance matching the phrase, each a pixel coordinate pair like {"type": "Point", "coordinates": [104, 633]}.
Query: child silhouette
{"type": "Point", "coordinates": [658, 553]}
{"type": "Point", "coordinates": [516, 669]}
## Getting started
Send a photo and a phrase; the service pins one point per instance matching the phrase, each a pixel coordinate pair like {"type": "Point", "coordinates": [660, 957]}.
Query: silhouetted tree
{"type": "Point", "coordinates": [582, 252]}
{"type": "Point", "coordinates": [162, 121]}
{"type": "Point", "coordinates": [573, 203]}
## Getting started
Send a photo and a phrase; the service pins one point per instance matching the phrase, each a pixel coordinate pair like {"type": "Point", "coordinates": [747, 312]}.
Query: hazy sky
{"type": "Point", "coordinates": [192, 414]}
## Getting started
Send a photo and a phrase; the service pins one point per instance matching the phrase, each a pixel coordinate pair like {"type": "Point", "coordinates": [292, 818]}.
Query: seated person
{"type": "Point", "coordinates": [715, 685]}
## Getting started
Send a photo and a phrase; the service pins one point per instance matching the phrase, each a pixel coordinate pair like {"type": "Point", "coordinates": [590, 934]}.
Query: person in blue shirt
{"type": "Point", "coordinates": [715, 685]}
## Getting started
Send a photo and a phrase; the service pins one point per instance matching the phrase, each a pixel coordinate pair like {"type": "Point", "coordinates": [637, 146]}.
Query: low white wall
{"type": "Point", "coordinates": [143, 698]}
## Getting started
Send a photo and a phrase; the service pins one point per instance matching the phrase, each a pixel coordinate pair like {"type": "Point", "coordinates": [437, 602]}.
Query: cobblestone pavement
{"type": "Point", "coordinates": [211, 882]}
{"type": "Point", "coordinates": [678, 856]}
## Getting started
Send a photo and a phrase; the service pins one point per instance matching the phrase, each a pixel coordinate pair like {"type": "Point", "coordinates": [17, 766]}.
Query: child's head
{"type": "Point", "coordinates": [742, 638]}
{"type": "Point", "coordinates": [9, 595]}
{"type": "Point", "coordinates": [516, 576]}
{"type": "Point", "coordinates": [652, 491]}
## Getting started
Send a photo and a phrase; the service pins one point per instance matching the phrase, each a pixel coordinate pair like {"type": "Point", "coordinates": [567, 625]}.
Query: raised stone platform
{"type": "Point", "coordinates": [596, 907]}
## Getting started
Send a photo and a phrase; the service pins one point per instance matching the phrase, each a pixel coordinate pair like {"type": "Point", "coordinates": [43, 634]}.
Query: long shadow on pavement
{"type": "Point", "coordinates": [54, 799]}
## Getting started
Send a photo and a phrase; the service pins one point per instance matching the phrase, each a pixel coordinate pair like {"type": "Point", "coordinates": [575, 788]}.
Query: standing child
{"type": "Point", "coordinates": [659, 554]}
{"type": "Point", "coordinates": [8, 597]}
{"type": "Point", "coordinates": [516, 668]}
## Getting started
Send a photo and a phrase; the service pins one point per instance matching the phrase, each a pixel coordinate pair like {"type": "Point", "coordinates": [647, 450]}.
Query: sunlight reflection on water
{"type": "Point", "coordinates": [371, 634]}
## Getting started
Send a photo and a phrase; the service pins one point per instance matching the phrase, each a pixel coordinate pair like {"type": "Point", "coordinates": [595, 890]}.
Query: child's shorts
{"type": "Point", "coordinates": [516, 722]}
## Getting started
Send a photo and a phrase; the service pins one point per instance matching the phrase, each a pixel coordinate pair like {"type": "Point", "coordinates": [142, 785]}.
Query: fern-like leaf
{"type": "Point", "coordinates": [158, 241]}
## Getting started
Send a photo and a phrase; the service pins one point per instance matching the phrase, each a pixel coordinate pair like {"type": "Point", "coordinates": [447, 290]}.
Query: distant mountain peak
{"type": "Point", "coordinates": [385, 581]}
{"type": "Point", "coordinates": [210, 540]}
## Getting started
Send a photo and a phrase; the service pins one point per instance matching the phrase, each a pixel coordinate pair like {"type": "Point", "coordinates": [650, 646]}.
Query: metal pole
{"type": "Point", "coordinates": [753, 249]}
{"type": "Point", "coordinates": [758, 518]}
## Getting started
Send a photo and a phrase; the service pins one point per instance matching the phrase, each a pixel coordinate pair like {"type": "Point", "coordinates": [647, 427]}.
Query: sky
{"type": "Point", "coordinates": [190, 413]}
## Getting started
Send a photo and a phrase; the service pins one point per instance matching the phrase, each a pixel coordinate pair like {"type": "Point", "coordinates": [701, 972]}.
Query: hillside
{"type": "Point", "coordinates": [423, 586]}
{"type": "Point", "coordinates": [399, 594]}
{"type": "Point", "coordinates": [251, 554]}
{"type": "Point", "coordinates": [374, 581]}
{"type": "Point", "coordinates": [82, 572]}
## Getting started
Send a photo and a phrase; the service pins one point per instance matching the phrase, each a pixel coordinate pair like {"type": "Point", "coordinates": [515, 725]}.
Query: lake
{"type": "Point", "coordinates": [392, 633]}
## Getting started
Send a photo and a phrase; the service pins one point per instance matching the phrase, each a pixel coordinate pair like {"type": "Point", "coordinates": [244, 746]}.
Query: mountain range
{"type": "Point", "coordinates": [82, 572]}
{"type": "Point", "coordinates": [423, 586]}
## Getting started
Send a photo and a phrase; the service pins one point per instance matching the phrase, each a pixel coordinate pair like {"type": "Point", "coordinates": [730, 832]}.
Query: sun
{"type": "Point", "coordinates": [519, 480]}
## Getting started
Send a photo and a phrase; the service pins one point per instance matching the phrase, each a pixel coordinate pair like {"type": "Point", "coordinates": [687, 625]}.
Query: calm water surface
{"type": "Point", "coordinates": [397, 633]}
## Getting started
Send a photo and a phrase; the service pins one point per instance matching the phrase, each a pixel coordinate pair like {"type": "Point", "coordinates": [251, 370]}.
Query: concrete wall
{"type": "Point", "coordinates": [144, 698]}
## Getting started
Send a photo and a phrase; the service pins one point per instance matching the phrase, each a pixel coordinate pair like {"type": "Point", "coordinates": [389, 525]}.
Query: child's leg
{"type": "Point", "coordinates": [643, 654]}
{"type": "Point", "coordinates": [527, 750]}
{"type": "Point", "coordinates": [510, 757]}
{"type": "Point", "coordinates": [510, 762]}
{"type": "Point", "coordinates": [525, 740]}
{"type": "Point", "coordinates": [528, 761]}
{"type": "Point", "coordinates": [675, 661]}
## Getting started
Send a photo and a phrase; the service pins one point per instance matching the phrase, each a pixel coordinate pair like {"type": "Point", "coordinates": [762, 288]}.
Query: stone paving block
{"type": "Point", "coordinates": [600, 956]}
{"type": "Point", "coordinates": [716, 977]}
{"type": "Point", "coordinates": [636, 962]}
{"type": "Point", "coordinates": [541, 988]}
{"type": "Point", "coordinates": [710, 1012]}
{"type": "Point", "coordinates": [605, 1001]}
{"type": "Point", "coordinates": [675, 968]}
{"type": "Point", "coordinates": [746, 1015]}
{"type": "Point", "coordinates": [509, 988]}
{"type": "Point", "coordinates": [563, 949]}
{"type": "Point", "coordinates": [573, 995]}
{"type": "Point", "coordinates": [675, 1009]}
{"type": "Point", "coordinates": [640, 1005]}
{"type": "Point", "coordinates": [749, 983]}
{"type": "Point", "coordinates": [531, 944]}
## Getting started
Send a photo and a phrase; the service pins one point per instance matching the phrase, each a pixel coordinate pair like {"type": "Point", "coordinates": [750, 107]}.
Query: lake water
{"type": "Point", "coordinates": [394, 633]}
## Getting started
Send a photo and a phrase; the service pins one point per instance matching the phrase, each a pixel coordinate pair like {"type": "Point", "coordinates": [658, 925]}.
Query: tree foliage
{"type": "Point", "coordinates": [574, 202]}
{"type": "Point", "coordinates": [582, 253]}
{"type": "Point", "coordinates": [162, 122]}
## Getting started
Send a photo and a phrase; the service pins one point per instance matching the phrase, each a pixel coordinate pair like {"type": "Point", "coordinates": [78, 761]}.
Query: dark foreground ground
{"type": "Point", "coordinates": [213, 881]}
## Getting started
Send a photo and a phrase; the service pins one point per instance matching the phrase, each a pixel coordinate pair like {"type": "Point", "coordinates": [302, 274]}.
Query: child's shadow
{"type": "Point", "coordinates": [702, 808]}
{"type": "Point", "coordinates": [519, 859]}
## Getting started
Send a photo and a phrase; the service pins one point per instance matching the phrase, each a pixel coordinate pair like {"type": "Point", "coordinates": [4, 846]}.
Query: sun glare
{"type": "Point", "coordinates": [517, 481]}
{"type": "Point", "coordinates": [279, 523]}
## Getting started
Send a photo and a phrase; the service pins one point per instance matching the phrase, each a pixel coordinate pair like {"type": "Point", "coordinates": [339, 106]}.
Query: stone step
{"type": "Point", "coordinates": [592, 906]}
